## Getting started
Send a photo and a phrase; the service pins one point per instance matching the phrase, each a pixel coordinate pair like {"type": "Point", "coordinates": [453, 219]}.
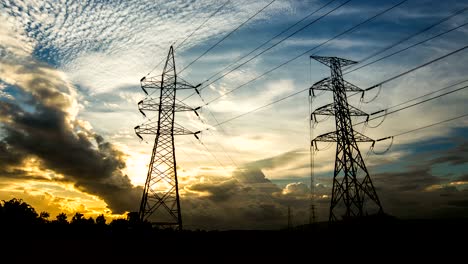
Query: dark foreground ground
{"type": "Point", "coordinates": [369, 241]}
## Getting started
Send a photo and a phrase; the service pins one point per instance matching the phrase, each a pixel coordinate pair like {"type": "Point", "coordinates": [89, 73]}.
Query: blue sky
{"type": "Point", "coordinates": [95, 52]}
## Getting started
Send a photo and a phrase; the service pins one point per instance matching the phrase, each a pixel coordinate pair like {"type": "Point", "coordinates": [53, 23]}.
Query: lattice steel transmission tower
{"type": "Point", "coordinates": [160, 203]}
{"type": "Point", "coordinates": [353, 193]}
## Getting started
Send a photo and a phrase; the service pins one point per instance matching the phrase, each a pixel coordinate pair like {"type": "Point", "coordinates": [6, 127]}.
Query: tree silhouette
{"type": "Point", "coordinates": [133, 218]}
{"type": "Point", "coordinates": [62, 218]}
{"type": "Point", "coordinates": [101, 220]}
{"type": "Point", "coordinates": [78, 218]}
{"type": "Point", "coordinates": [90, 221]}
{"type": "Point", "coordinates": [119, 224]}
{"type": "Point", "coordinates": [17, 212]}
{"type": "Point", "coordinates": [44, 217]}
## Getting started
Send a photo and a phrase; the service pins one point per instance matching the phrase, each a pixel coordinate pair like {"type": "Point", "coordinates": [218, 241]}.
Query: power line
{"type": "Point", "coordinates": [301, 91]}
{"type": "Point", "coordinates": [272, 38]}
{"type": "Point", "coordinates": [385, 81]}
{"type": "Point", "coordinates": [187, 156]}
{"type": "Point", "coordinates": [431, 125]}
{"type": "Point", "coordinates": [308, 51]}
{"type": "Point", "coordinates": [204, 22]}
{"type": "Point", "coordinates": [225, 37]}
{"type": "Point", "coordinates": [261, 107]}
{"type": "Point", "coordinates": [190, 35]}
{"type": "Point", "coordinates": [433, 92]}
{"type": "Point", "coordinates": [274, 45]}
{"type": "Point", "coordinates": [227, 154]}
{"type": "Point", "coordinates": [312, 215]}
{"type": "Point", "coordinates": [413, 35]}
{"type": "Point", "coordinates": [412, 105]}
{"type": "Point", "coordinates": [223, 149]}
{"type": "Point", "coordinates": [279, 42]}
{"type": "Point", "coordinates": [411, 46]}
{"type": "Point", "coordinates": [211, 153]}
{"type": "Point", "coordinates": [204, 152]}
{"type": "Point", "coordinates": [217, 141]}
{"type": "Point", "coordinates": [414, 69]}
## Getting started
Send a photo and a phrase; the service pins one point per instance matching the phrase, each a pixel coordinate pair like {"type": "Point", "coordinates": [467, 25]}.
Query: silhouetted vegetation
{"type": "Point", "coordinates": [18, 217]}
{"type": "Point", "coordinates": [17, 212]}
{"type": "Point", "coordinates": [19, 221]}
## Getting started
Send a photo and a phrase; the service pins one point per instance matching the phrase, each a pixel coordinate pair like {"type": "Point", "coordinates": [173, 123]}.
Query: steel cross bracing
{"type": "Point", "coordinates": [160, 203]}
{"type": "Point", "coordinates": [353, 194]}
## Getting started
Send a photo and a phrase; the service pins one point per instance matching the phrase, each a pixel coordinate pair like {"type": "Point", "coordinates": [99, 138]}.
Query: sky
{"type": "Point", "coordinates": [70, 82]}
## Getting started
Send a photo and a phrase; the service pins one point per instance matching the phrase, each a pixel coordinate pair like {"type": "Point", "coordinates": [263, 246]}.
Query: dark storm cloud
{"type": "Point", "coordinates": [415, 180]}
{"type": "Point", "coordinates": [419, 194]}
{"type": "Point", "coordinates": [463, 177]}
{"type": "Point", "coordinates": [455, 156]}
{"type": "Point", "coordinates": [218, 191]}
{"type": "Point", "coordinates": [8, 155]}
{"type": "Point", "coordinates": [248, 200]}
{"type": "Point", "coordinates": [49, 133]}
{"type": "Point", "coordinates": [440, 201]}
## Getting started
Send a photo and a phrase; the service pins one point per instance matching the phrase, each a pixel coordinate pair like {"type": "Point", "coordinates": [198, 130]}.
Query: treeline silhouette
{"type": "Point", "coordinates": [22, 229]}
{"type": "Point", "coordinates": [19, 218]}
{"type": "Point", "coordinates": [17, 212]}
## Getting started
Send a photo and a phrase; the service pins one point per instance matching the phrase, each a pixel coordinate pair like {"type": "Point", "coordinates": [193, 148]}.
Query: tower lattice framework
{"type": "Point", "coordinates": [160, 203]}
{"type": "Point", "coordinates": [353, 194]}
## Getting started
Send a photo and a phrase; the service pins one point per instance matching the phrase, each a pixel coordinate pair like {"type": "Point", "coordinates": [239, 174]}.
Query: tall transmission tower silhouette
{"type": "Point", "coordinates": [160, 203]}
{"type": "Point", "coordinates": [353, 194]}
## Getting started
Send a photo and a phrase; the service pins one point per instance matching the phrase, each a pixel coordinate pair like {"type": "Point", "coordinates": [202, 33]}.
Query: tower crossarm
{"type": "Point", "coordinates": [349, 87]}
{"type": "Point", "coordinates": [326, 85]}
{"type": "Point", "coordinates": [182, 84]}
{"type": "Point", "coordinates": [154, 82]}
{"type": "Point", "coordinates": [322, 85]}
{"type": "Point", "coordinates": [330, 110]}
{"type": "Point", "coordinates": [153, 104]}
{"type": "Point", "coordinates": [328, 61]}
{"type": "Point", "coordinates": [333, 137]}
{"type": "Point", "coordinates": [152, 129]}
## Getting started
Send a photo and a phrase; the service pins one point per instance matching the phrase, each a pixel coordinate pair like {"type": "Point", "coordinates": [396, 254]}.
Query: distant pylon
{"type": "Point", "coordinates": [289, 218]}
{"type": "Point", "coordinates": [351, 190]}
{"type": "Point", "coordinates": [312, 216]}
{"type": "Point", "coordinates": [160, 199]}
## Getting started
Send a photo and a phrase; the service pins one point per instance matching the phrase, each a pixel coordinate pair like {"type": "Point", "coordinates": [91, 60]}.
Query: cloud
{"type": "Point", "coordinates": [455, 156]}
{"type": "Point", "coordinates": [41, 123]}
{"type": "Point", "coordinates": [296, 189]}
{"type": "Point", "coordinates": [419, 194]}
{"type": "Point", "coordinates": [12, 42]}
{"type": "Point", "coordinates": [340, 43]}
{"type": "Point", "coordinates": [218, 191]}
{"type": "Point", "coordinates": [244, 201]}
{"type": "Point", "coordinates": [277, 161]}
{"type": "Point", "coordinates": [103, 46]}
{"type": "Point", "coordinates": [424, 186]}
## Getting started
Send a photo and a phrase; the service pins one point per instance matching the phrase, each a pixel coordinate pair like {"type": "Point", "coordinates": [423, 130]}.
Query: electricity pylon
{"type": "Point", "coordinates": [160, 199]}
{"type": "Point", "coordinates": [352, 195]}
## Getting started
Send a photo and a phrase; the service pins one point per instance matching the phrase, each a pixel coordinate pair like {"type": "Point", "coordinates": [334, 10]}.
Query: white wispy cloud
{"type": "Point", "coordinates": [103, 46]}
